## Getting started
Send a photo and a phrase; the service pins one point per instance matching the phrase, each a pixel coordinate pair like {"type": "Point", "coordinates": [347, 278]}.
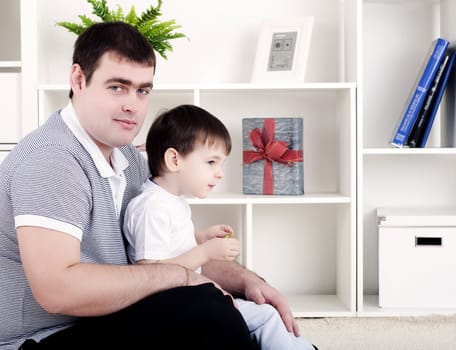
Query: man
{"type": "Point", "coordinates": [65, 280]}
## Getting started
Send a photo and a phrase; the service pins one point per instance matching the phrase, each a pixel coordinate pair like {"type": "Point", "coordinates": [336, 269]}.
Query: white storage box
{"type": "Point", "coordinates": [417, 258]}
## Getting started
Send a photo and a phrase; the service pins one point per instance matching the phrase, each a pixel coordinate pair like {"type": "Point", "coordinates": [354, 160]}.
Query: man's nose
{"type": "Point", "coordinates": [130, 104]}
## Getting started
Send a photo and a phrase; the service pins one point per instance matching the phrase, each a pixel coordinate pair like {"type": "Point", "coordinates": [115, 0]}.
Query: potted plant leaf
{"type": "Point", "coordinates": [158, 33]}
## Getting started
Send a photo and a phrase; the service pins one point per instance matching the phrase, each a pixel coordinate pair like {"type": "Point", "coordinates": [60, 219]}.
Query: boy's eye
{"type": "Point", "coordinates": [211, 162]}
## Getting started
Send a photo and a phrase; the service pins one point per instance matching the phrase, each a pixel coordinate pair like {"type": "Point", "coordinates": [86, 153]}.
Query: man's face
{"type": "Point", "coordinates": [112, 107]}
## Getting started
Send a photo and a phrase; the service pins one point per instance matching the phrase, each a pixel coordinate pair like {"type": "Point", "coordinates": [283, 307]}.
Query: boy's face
{"type": "Point", "coordinates": [112, 106]}
{"type": "Point", "coordinates": [201, 170]}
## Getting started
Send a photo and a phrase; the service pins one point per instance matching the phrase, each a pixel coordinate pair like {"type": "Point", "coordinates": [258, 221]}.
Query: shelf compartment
{"type": "Point", "coordinates": [10, 90]}
{"type": "Point", "coordinates": [306, 251]}
{"type": "Point", "coordinates": [391, 69]}
{"type": "Point", "coordinates": [327, 111]}
{"type": "Point", "coordinates": [10, 32]}
{"type": "Point", "coordinates": [421, 180]}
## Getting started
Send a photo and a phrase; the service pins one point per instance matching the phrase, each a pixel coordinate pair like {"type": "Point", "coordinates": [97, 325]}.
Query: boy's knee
{"type": "Point", "coordinates": [269, 311]}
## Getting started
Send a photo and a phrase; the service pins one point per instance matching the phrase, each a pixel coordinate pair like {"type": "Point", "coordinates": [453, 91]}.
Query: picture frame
{"type": "Point", "coordinates": [282, 50]}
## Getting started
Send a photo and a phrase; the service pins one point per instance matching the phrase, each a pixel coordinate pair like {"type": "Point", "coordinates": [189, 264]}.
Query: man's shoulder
{"type": "Point", "coordinates": [51, 140]}
{"type": "Point", "coordinates": [53, 133]}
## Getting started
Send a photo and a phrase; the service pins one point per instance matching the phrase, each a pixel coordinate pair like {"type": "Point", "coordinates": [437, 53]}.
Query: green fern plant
{"type": "Point", "coordinates": [157, 33]}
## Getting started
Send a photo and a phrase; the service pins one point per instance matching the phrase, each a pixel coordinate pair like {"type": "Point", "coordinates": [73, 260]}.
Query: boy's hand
{"type": "Point", "coordinates": [212, 232]}
{"type": "Point", "coordinates": [222, 249]}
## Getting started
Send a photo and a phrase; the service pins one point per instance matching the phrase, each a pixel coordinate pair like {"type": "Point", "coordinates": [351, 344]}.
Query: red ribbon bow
{"type": "Point", "coordinates": [270, 150]}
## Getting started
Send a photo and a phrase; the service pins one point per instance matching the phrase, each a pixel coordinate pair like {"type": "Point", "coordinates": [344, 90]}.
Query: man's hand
{"type": "Point", "coordinates": [260, 292]}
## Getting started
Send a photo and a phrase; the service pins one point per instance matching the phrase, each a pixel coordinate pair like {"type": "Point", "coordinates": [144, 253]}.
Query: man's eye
{"type": "Point", "coordinates": [116, 88]}
{"type": "Point", "coordinates": [144, 92]}
{"type": "Point", "coordinates": [211, 162]}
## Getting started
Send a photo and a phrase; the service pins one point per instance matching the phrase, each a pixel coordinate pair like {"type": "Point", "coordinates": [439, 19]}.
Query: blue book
{"type": "Point", "coordinates": [425, 114]}
{"type": "Point", "coordinates": [419, 92]}
{"type": "Point", "coordinates": [438, 98]}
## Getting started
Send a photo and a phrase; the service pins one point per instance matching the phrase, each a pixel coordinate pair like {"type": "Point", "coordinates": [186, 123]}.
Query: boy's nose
{"type": "Point", "coordinates": [219, 174]}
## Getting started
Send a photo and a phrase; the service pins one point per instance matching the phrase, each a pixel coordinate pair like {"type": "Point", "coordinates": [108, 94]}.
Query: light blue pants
{"type": "Point", "coordinates": [266, 326]}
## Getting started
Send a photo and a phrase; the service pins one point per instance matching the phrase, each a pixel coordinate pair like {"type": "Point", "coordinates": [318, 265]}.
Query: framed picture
{"type": "Point", "coordinates": [282, 51]}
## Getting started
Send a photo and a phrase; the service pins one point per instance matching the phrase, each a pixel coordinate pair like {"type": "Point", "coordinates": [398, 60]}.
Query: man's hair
{"type": "Point", "coordinates": [181, 128]}
{"type": "Point", "coordinates": [117, 37]}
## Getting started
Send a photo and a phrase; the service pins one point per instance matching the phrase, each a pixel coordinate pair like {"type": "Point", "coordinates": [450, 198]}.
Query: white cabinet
{"type": "Point", "coordinates": [303, 245]}
{"type": "Point", "coordinates": [395, 38]}
{"type": "Point", "coordinates": [321, 248]}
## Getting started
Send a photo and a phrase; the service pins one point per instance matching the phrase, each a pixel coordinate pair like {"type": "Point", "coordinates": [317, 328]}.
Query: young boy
{"type": "Point", "coordinates": [186, 148]}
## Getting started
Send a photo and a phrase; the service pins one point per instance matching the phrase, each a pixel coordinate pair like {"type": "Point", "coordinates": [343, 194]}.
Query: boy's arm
{"type": "Point", "coordinates": [192, 259]}
{"type": "Point", "coordinates": [214, 249]}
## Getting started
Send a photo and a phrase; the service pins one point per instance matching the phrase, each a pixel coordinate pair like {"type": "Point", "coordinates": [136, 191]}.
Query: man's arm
{"type": "Point", "coordinates": [62, 284]}
{"type": "Point", "coordinates": [238, 280]}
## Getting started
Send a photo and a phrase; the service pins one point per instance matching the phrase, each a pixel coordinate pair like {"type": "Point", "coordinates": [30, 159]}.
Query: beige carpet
{"type": "Point", "coordinates": [385, 333]}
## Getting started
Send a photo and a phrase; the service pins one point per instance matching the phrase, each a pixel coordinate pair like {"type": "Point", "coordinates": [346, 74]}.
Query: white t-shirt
{"type": "Point", "coordinates": [158, 225]}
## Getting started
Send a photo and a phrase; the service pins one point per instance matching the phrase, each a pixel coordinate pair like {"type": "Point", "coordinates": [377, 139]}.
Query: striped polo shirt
{"type": "Point", "coordinates": [50, 179]}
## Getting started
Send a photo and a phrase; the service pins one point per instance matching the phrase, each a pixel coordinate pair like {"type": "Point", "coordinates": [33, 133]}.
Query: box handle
{"type": "Point", "coordinates": [428, 241]}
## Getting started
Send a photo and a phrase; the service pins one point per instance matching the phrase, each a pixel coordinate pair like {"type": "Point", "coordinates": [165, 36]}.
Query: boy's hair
{"type": "Point", "coordinates": [181, 128]}
{"type": "Point", "coordinates": [120, 38]}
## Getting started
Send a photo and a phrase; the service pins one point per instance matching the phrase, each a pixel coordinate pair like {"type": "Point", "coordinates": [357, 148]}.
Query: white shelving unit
{"type": "Point", "coordinates": [304, 245]}
{"type": "Point", "coordinates": [395, 38]}
{"type": "Point", "coordinates": [320, 249]}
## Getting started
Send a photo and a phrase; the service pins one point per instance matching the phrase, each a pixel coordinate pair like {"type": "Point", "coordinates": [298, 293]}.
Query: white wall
{"type": "Point", "coordinates": [223, 37]}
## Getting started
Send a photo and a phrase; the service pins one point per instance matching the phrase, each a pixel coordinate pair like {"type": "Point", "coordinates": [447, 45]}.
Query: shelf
{"type": "Point", "coordinates": [227, 87]}
{"type": "Point", "coordinates": [371, 308]}
{"type": "Point", "coordinates": [395, 2]}
{"type": "Point", "coordinates": [318, 306]}
{"type": "Point", "coordinates": [227, 198]}
{"type": "Point", "coordinates": [6, 147]}
{"type": "Point", "coordinates": [10, 64]}
{"type": "Point", "coordinates": [409, 151]}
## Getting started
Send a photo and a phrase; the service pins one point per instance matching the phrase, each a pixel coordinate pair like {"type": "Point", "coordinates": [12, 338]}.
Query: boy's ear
{"type": "Point", "coordinates": [171, 159]}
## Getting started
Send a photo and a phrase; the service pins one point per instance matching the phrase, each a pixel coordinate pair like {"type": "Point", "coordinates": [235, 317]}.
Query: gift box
{"type": "Point", "coordinates": [273, 156]}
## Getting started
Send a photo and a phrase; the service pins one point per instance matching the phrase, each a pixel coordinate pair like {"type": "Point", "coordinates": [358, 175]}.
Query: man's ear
{"type": "Point", "coordinates": [77, 78]}
{"type": "Point", "coordinates": [171, 159]}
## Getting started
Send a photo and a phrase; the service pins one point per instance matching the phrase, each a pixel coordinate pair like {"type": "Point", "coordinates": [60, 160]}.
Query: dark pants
{"type": "Point", "coordinates": [196, 317]}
